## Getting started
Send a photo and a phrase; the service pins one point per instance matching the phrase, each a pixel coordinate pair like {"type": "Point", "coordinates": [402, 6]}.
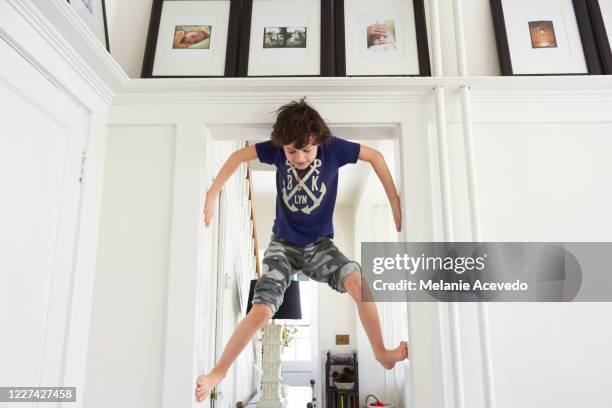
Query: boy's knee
{"type": "Point", "coordinates": [269, 292]}
{"type": "Point", "coordinates": [352, 282]}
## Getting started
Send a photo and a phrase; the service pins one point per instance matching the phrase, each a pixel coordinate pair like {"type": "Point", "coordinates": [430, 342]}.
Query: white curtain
{"type": "Point", "coordinates": [393, 320]}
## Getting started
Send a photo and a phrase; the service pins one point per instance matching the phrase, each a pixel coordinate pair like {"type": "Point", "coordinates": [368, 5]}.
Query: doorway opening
{"type": "Point", "coordinates": [362, 214]}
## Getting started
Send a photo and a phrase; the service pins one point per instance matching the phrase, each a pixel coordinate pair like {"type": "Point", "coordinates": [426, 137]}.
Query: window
{"type": "Point", "coordinates": [301, 347]}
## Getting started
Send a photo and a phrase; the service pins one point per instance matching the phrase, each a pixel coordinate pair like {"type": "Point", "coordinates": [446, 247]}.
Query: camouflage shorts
{"type": "Point", "coordinates": [321, 261]}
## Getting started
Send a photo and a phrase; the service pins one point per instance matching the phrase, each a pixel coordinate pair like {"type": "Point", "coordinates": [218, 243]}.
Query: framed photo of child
{"type": "Point", "coordinates": [93, 13]}
{"type": "Point", "coordinates": [381, 38]}
{"type": "Point", "coordinates": [192, 38]}
{"type": "Point", "coordinates": [547, 37]}
{"type": "Point", "coordinates": [286, 38]}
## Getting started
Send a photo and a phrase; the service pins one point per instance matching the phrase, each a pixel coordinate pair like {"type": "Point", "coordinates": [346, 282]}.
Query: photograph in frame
{"type": "Point", "coordinates": [381, 34]}
{"type": "Point", "coordinates": [93, 13]}
{"type": "Point", "coordinates": [601, 18]}
{"type": "Point", "coordinates": [548, 37]}
{"type": "Point", "coordinates": [286, 38]}
{"type": "Point", "coordinates": [192, 38]}
{"type": "Point", "coordinates": [381, 39]}
{"type": "Point", "coordinates": [542, 34]}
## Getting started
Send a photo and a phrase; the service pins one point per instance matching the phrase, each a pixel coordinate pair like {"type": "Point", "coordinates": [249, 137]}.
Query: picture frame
{"type": "Point", "coordinates": [601, 19]}
{"type": "Point", "coordinates": [382, 38]}
{"type": "Point", "coordinates": [192, 39]}
{"type": "Point", "coordinates": [547, 37]}
{"type": "Point", "coordinates": [286, 38]}
{"type": "Point", "coordinates": [93, 13]}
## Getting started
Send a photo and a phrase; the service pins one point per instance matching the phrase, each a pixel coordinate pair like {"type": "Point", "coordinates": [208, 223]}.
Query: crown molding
{"type": "Point", "coordinates": [69, 36]}
{"type": "Point", "coordinates": [63, 31]}
{"type": "Point", "coordinates": [364, 89]}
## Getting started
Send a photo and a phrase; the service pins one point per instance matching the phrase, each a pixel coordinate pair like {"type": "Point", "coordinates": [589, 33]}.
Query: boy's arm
{"type": "Point", "coordinates": [240, 156]}
{"type": "Point", "coordinates": [377, 160]}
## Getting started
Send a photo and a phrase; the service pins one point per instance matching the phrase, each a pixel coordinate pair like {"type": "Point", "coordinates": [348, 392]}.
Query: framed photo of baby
{"type": "Point", "coordinates": [381, 35]}
{"type": "Point", "coordinates": [192, 39]}
{"type": "Point", "coordinates": [371, 43]}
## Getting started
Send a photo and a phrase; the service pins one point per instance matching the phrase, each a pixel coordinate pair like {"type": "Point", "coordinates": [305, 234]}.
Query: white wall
{"type": "Point", "coordinates": [535, 184]}
{"type": "Point", "coordinates": [126, 350]}
{"type": "Point", "coordinates": [128, 24]}
{"type": "Point", "coordinates": [480, 44]}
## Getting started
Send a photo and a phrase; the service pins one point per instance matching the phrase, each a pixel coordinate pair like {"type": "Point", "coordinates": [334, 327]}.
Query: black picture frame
{"type": "Point", "coordinates": [231, 53]}
{"type": "Point", "coordinates": [601, 35]}
{"type": "Point", "coordinates": [420, 26]}
{"type": "Point", "coordinates": [585, 28]}
{"type": "Point", "coordinates": [327, 62]}
{"type": "Point", "coordinates": [106, 39]}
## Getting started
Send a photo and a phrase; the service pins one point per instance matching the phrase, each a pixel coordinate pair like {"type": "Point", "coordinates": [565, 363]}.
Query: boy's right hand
{"type": "Point", "coordinates": [209, 208]}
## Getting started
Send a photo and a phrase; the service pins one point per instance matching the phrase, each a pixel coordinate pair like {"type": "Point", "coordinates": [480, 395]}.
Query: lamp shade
{"type": "Point", "coordinates": [290, 308]}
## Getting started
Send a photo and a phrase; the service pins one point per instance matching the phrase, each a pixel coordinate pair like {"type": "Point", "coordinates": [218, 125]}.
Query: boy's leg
{"type": "Point", "coordinates": [277, 268]}
{"type": "Point", "coordinates": [328, 264]}
{"type": "Point", "coordinates": [257, 317]}
{"type": "Point", "coordinates": [371, 323]}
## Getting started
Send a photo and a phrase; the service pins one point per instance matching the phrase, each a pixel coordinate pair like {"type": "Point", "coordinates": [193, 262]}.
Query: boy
{"type": "Point", "coordinates": [307, 158]}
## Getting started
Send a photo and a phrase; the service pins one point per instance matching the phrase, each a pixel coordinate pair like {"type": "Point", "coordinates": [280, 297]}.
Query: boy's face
{"type": "Point", "coordinates": [301, 158]}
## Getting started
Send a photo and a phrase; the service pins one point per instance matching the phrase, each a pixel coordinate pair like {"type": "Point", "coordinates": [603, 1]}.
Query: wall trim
{"type": "Point", "coordinates": [66, 34]}
{"type": "Point", "coordinates": [69, 36]}
{"type": "Point", "coordinates": [363, 90]}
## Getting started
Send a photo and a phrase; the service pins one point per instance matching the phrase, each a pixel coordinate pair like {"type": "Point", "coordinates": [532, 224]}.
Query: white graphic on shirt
{"type": "Point", "coordinates": [290, 191]}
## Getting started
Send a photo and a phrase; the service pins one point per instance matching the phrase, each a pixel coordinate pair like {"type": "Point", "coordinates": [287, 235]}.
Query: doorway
{"type": "Point", "coordinates": [360, 195]}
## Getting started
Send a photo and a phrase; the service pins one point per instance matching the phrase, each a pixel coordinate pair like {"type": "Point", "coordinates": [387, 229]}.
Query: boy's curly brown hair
{"type": "Point", "coordinates": [296, 122]}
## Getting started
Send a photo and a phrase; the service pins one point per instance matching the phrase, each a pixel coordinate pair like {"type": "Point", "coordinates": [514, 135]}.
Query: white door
{"type": "Point", "coordinates": [42, 136]}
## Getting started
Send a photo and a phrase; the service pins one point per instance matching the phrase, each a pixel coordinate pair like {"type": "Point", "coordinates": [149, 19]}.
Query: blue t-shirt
{"type": "Point", "coordinates": [304, 211]}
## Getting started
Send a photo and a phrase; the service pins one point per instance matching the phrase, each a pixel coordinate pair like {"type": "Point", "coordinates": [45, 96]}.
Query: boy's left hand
{"type": "Point", "coordinates": [397, 213]}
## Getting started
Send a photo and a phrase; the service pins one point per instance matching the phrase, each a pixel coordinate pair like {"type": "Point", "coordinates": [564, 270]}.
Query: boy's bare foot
{"type": "Point", "coordinates": [205, 384]}
{"type": "Point", "coordinates": [389, 357]}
